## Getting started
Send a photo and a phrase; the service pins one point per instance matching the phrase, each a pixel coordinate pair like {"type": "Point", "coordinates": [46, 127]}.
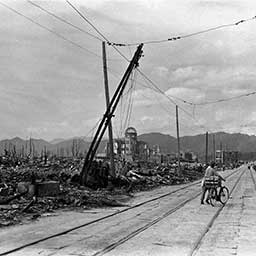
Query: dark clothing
{"type": "Point", "coordinates": [204, 189]}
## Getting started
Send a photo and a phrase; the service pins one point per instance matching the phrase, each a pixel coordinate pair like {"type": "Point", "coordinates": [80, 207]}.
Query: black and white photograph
{"type": "Point", "coordinates": [127, 127]}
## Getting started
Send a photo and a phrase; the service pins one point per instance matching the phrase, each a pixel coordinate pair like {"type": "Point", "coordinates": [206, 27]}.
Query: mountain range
{"type": "Point", "coordinates": [243, 143]}
{"type": "Point", "coordinates": [168, 144]}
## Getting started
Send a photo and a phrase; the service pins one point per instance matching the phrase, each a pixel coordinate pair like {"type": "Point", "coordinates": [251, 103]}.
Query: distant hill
{"type": "Point", "coordinates": [236, 141]}
{"type": "Point", "coordinates": [55, 141]}
{"type": "Point", "coordinates": [60, 146]}
{"type": "Point", "coordinates": [168, 144]}
{"type": "Point", "coordinates": [19, 144]}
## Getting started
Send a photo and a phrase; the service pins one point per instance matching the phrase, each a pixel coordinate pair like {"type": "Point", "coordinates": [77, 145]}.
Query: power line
{"type": "Point", "coordinates": [93, 128]}
{"type": "Point", "coordinates": [82, 16]}
{"type": "Point", "coordinates": [56, 34]}
{"type": "Point", "coordinates": [81, 47]}
{"type": "Point", "coordinates": [221, 100]}
{"type": "Point", "coordinates": [151, 42]}
{"type": "Point", "coordinates": [187, 35]}
{"type": "Point", "coordinates": [170, 99]}
{"type": "Point", "coordinates": [169, 112]}
{"type": "Point", "coordinates": [96, 29]}
{"type": "Point", "coordinates": [155, 90]}
{"type": "Point", "coordinates": [63, 20]}
{"type": "Point", "coordinates": [104, 37]}
{"type": "Point", "coordinates": [130, 103]}
{"type": "Point", "coordinates": [49, 30]}
{"type": "Point", "coordinates": [114, 46]}
{"type": "Point", "coordinates": [70, 24]}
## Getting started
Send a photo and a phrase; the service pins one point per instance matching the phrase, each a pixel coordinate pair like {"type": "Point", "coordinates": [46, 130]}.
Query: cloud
{"type": "Point", "coordinates": [161, 71]}
{"type": "Point", "coordinates": [46, 81]}
{"type": "Point", "coordinates": [186, 73]}
{"type": "Point", "coordinates": [192, 95]}
{"type": "Point", "coordinates": [145, 97]}
{"type": "Point", "coordinates": [217, 4]}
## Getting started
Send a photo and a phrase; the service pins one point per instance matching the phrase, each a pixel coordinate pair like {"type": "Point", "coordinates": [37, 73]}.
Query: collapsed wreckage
{"type": "Point", "coordinates": [29, 191]}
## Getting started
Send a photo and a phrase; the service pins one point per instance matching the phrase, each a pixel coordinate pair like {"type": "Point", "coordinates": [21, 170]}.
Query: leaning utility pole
{"type": "Point", "coordinates": [206, 148]}
{"type": "Point", "coordinates": [178, 139]}
{"type": "Point", "coordinates": [109, 113]}
{"type": "Point", "coordinates": [110, 133]}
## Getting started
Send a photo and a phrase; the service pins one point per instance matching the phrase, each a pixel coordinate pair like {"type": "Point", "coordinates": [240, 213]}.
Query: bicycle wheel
{"type": "Point", "coordinates": [213, 196]}
{"type": "Point", "coordinates": [223, 195]}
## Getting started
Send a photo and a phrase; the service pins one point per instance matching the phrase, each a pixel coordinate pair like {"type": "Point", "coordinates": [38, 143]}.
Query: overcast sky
{"type": "Point", "coordinates": [51, 88]}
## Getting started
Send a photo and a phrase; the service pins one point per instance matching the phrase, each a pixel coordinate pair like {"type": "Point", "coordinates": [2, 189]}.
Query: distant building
{"type": "Point", "coordinates": [131, 143]}
{"type": "Point", "coordinates": [129, 148]}
{"type": "Point", "coordinates": [155, 154]}
{"type": "Point", "coordinates": [190, 156]}
{"type": "Point", "coordinates": [156, 150]}
{"type": "Point", "coordinates": [226, 157]}
{"type": "Point", "coordinates": [143, 150]}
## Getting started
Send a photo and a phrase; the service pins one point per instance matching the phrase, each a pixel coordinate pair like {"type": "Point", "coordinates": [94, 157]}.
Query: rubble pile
{"type": "Point", "coordinates": [33, 190]}
{"type": "Point", "coordinates": [26, 207]}
{"type": "Point", "coordinates": [142, 179]}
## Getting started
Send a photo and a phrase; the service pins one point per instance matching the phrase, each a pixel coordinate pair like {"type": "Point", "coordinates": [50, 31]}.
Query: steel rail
{"type": "Point", "coordinates": [253, 179]}
{"type": "Point", "coordinates": [120, 212]}
{"type": "Point", "coordinates": [198, 242]}
{"type": "Point", "coordinates": [150, 224]}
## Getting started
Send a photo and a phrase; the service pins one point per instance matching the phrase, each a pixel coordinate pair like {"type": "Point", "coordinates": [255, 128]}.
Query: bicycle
{"type": "Point", "coordinates": [215, 194]}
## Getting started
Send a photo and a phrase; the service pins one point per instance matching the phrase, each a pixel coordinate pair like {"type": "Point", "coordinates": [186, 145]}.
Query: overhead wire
{"type": "Point", "coordinates": [91, 131]}
{"type": "Point", "coordinates": [58, 35]}
{"type": "Point", "coordinates": [96, 29]}
{"type": "Point", "coordinates": [104, 37]}
{"type": "Point", "coordinates": [49, 30]}
{"type": "Point", "coordinates": [222, 100]}
{"type": "Point", "coordinates": [126, 105]}
{"type": "Point", "coordinates": [63, 20]}
{"type": "Point", "coordinates": [85, 18]}
{"type": "Point", "coordinates": [168, 111]}
{"type": "Point", "coordinates": [68, 23]}
{"type": "Point", "coordinates": [186, 35]}
{"type": "Point", "coordinates": [131, 99]}
{"type": "Point", "coordinates": [114, 46]}
{"type": "Point", "coordinates": [172, 101]}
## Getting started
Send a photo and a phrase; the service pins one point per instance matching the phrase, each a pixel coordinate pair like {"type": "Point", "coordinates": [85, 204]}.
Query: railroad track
{"type": "Point", "coordinates": [253, 179]}
{"type": "Point", "coordinates": [199, 241]}
{"type": "Point", "coordinates": [150, 224]}
{"type": "Point", "coordinates": [131, 234]}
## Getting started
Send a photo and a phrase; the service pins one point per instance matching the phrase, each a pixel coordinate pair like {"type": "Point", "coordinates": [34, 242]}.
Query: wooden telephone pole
{"type": "Point", "coordinates": [109, 113]}
{"type": "Point", "coordinates": [110, 133]}
{"type": "Point", "coordinates": [206, 148]}
{"type": "Point", "coordinates": [214, 150]}
{"type": "Point", "coordinates": [178, 139]}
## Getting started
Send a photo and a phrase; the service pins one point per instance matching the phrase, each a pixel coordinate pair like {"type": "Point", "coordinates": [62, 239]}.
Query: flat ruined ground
{"type": "Point", "coordinates": [76, 198]}
{"type": "Point", "coordinates": [61, 220]}
{"type": "Point", "coordinates": [232, 233]}
{"type": "Point", "coordinates": [113, 229]}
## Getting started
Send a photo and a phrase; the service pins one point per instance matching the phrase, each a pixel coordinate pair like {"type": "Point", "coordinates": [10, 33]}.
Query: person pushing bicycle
{"type": "Point", "coordinates": [210, 172]}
